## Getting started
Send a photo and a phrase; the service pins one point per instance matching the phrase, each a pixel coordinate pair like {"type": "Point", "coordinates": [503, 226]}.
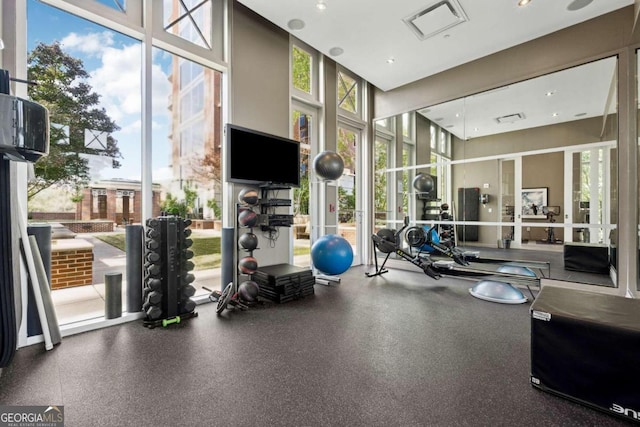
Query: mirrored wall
{"type": "Point", "coordinates": [529, 168]}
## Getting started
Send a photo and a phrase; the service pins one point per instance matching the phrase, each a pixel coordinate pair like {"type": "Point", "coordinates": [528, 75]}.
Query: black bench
{"type": "Point", "coordinates": [587, 257]}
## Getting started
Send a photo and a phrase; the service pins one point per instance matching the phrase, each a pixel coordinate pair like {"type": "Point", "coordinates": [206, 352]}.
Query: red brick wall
{"type": "Point", "coordinates": [89, 226]}
{"type": "Point", "coordinates": [71, 268]}
{"type": "Point", "coordinates": [51, 216]}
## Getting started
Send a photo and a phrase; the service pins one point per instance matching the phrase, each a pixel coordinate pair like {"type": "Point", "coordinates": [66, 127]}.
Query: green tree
{"type": "Point", "coordinates": [181, 207]}
{"type": "Point", "coordinates": [380, 196]}
{"type": "Point", "coordinates": [62, 87]}
{"type": "Point", "coordinates": [301, 68]}
{"type": "Point", "coordinates": [301, 196]}
{"type": "Point", "coordinates": [346, 204]}
{"type": "Point", "coordinates": [172, 206]}
{"type": "Point", "coordinates": [347, 148]}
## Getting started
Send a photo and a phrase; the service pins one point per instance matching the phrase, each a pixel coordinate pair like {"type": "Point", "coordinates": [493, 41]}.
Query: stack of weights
{"type": "Point", "coordinates": [167, 279]}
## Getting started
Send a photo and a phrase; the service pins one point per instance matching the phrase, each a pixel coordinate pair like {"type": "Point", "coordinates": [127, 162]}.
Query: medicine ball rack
{"type": "Point", "coordinates": [268, 221]}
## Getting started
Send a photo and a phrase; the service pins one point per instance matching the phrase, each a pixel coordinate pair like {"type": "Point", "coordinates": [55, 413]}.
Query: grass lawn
{"type": "Point", "coordinates": [301, 250]}
{"type": "Point", "coordinates": [206, 249]}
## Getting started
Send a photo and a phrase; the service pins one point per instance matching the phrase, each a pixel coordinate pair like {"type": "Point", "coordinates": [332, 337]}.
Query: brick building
{"type": "Point", "coordinates": [117, 200]}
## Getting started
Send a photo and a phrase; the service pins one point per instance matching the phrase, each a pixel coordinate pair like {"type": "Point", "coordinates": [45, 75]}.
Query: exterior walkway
{"type": "Point", "coordinates": [88, 302]}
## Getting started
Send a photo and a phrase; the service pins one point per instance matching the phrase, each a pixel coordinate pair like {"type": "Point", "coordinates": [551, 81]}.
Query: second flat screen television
{"type": "Point", "coordinates": [255, 157]}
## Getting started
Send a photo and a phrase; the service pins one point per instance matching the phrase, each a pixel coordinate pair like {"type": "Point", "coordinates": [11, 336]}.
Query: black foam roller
{"type": "Point", "coordinates": [112, 295]}
{"type": "Point", "coordinates": [42, 233]}
{"type": "Point", "coordinates": [8, 332]}
{"type": "Point", "coordinates": [45, 292]}
{"type": "Point", "coordinates": [227, 247]}
{"type": "Point", "coordinates": [134, 242]}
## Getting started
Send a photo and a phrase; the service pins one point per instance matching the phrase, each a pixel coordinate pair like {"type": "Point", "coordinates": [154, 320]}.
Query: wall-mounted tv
{"type": "Point", "coordinates": [255, 157]}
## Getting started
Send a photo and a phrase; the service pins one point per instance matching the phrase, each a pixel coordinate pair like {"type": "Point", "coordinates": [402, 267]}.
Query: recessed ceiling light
{"type": "Point", "coordinates": [550, 93]}
{"type": "Point", "coordinates": [476, 129]}
{"type": "Point", "coordinates": [523, 2]}
{"type": "Point", "coordinates": [457, 114]}
{"type": "Point", "coordinates": [295, 24]}
{"type": "Point", "coordinates": [321, 5]}
{"type": "Point", "coordinates": [556, 114]}
{"type": "Point", "coordinates": [390, 61]}
{"type": "Point", "coordinates": [336, 51]}
{"type": "Point", "coordinates": [578, 4]}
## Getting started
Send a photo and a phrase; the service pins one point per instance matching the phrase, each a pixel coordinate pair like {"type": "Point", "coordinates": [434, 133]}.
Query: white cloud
{"type": "Point", "coordinates": [162, 175]}
{"type": "Point", "coordinates": [118, 81]}
{"type": "Point", "coordinates": [91, 44]}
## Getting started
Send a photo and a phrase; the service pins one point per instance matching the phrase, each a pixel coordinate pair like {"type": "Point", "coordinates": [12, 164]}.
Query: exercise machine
{"type": "Point", "coordinates": [388, 241]}
{"type": "Point", "coordinates": [551, 212]}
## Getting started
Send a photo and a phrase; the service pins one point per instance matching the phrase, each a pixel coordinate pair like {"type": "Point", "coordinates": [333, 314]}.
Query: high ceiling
{"type": "Point", "coordinates": [393, 43]}
{"type": "Point", "coordinates": [576, 93]}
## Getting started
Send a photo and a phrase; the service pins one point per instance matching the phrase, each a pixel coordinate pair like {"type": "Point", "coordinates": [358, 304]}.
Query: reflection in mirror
{"type": "Point", "coordinates": [531, 165]}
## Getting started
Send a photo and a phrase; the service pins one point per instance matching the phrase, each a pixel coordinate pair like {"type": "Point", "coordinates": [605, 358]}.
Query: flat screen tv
{"type": "Point", "coordinates": [259, 158]}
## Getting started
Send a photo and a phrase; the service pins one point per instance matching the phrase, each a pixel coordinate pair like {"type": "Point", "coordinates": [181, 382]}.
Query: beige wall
{"type": "Point", "coordinates": [543, 170]}
{"type": "Point", "coordinates": [587, 41]}
{"type": "Point", "coordinates": [259, 75]}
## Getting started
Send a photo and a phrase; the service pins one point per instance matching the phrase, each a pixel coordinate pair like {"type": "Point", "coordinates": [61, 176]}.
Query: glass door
{"type": "Point", "coordinates": [350, 213]}
{"type": "Point", "coordinates": [304, 130]}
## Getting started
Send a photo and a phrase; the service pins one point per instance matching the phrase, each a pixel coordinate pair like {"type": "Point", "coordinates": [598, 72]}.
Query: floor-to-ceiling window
{"type": "Point", "coordinates": [350, 147]}
{"type": "Point", "coordinates": [136, 131]}
{"type": "Point", "coordinates": [305, 125]}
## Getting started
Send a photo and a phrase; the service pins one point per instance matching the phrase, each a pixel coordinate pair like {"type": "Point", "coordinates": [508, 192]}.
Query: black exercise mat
{"type": "Point", "coordinates": [8, 332]}
{"type": "Point", "coordinates": [280, 298]}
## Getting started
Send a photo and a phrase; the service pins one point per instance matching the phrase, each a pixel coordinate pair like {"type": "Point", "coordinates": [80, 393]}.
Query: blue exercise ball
{"type": "Point", "coordinates": [332, 254]}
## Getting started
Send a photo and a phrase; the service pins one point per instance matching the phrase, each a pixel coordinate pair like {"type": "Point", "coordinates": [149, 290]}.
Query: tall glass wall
{"type": "Point", "coordinates": [531, 166]}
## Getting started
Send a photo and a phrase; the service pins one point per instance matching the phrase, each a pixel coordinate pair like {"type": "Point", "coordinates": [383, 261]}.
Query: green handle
{"type": "Point", "coordinates": [166, 322]}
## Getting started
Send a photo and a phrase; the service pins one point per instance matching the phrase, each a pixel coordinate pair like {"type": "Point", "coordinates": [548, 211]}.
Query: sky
{"type": "Point", "coordinates": [113, 62]}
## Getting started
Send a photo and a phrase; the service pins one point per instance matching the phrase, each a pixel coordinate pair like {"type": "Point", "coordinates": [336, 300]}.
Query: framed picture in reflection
{"type": "Point", "coordinates": [533, 199]}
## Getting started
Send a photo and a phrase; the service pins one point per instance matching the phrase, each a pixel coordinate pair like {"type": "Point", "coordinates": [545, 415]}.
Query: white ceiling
{"type": "Point", "coordinates": [371, 32]}
{"type": "Point", "coordinates": [574, 94]}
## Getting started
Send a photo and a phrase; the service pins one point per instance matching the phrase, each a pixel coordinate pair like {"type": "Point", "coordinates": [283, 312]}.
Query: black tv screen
{"type": "Point", "coordinates": [255, 157]}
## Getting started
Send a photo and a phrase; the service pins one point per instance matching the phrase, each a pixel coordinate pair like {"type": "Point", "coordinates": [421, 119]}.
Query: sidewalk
{"type": "Point", "coordinates": [87, 302]}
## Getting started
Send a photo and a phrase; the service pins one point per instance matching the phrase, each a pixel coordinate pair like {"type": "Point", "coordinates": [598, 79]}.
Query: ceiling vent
{"type": "Point", "coordinates": [511, 118]}
{"type": "Point", "coordinates": [435, 19]}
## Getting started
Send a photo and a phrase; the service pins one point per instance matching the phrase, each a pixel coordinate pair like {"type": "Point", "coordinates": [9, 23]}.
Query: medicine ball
{"type": "Point", "coordinates": [249, 290]}
{"type": "Point", "coordinates": [248, 196]}
{"type": "Point", "coordinates": [248, 265]}
{"type": "Point", "coordinates": [247, 218]}
{"type": "Point", "coordinates": [248, 241]}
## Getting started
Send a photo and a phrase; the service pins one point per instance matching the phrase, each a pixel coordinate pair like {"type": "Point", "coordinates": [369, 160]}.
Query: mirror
{"type": "Point", "coordinates": [530, 168]}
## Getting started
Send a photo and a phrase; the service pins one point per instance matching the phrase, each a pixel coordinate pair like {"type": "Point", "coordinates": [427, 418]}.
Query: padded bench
{"type": "Point", "coordinates": [586, 257]}
{"type": "Point", "coordinates": [585, 347]}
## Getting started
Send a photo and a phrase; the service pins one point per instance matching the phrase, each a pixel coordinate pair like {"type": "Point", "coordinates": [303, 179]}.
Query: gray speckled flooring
{"type": "Point", "coordinates": [396, 350]}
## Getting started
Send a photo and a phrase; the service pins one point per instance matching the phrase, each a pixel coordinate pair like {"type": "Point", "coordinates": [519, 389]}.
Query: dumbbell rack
{"type": "Point", "coordinates": [167, 288]}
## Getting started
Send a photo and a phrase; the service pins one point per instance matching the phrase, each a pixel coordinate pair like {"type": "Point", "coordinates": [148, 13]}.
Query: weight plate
{"type": "Point", "coordinates": [224, 298]}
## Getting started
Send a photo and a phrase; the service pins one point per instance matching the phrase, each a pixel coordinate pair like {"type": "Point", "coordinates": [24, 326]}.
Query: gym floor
{"type": "Point", "coordinates": [399, 349]}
